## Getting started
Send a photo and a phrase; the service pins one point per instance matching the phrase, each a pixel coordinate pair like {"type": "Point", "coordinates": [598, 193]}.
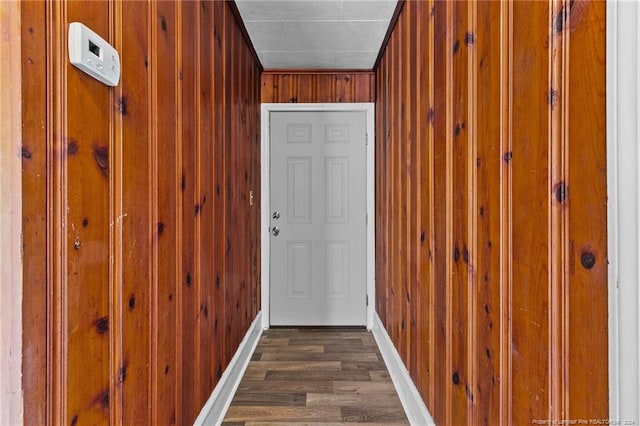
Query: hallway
{"type": "Point", "coordinates": [327, 375]}
{"type": "Point", "coordinates": [501, 223]}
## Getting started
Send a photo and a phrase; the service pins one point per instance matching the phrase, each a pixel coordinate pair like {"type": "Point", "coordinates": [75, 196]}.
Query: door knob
{"type": "Point", "coordinates": [275, 231]}
{"type": "Point", "coordinates": [276, 215]}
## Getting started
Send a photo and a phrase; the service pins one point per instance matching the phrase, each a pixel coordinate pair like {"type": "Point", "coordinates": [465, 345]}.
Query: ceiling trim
{"type": "Point", "coordinates": [245, 34]}
{"type": "Point", "coordinates": [392, 25]}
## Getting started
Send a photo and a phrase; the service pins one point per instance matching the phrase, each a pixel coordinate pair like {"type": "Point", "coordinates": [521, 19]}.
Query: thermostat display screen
{"type": "Point", "coordinates": [94, 48]}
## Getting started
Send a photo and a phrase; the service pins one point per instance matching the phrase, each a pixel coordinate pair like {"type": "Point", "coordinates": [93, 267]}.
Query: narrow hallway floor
{"type": "Point", "coordinates": [316, 376]}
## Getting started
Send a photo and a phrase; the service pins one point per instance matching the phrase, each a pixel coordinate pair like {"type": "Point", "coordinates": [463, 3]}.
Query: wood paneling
{"type": "Point", "coordinates": [11, 265]}
{"type": "Point", "coordinates": [34, 211]}
{"type": "Point", "coordinates": [491, 208]}
{"type": "Point", "coordinates": [139, 293]}
{"type": "Point", "coordinates": [317, 87]}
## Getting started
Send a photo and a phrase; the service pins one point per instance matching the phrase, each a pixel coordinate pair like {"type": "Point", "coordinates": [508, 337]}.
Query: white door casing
{"type": "Point", "coordinates": [318, 219]}
{"type": "Point", "coordinates": [336, 252]}
{"type": "Point", "coordinates": [623, 163]}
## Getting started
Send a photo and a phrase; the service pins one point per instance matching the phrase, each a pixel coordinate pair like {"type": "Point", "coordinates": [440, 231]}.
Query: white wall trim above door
{"type": "Point", "coordinates": [368, 109]}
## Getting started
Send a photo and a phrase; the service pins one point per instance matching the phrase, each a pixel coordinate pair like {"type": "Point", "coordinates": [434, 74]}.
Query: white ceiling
{"type": "Point", "coordinates": [317, 34]}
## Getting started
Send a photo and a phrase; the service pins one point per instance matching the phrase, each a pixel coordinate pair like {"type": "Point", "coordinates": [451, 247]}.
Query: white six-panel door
{"type": "Point", "coordinates": [318, 218]}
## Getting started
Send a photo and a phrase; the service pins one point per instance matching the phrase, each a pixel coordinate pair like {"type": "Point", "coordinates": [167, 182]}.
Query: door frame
{"type": "Point", "coordinates": [265, 158]}
{"type": "Point", "coordinates": [623, 192]}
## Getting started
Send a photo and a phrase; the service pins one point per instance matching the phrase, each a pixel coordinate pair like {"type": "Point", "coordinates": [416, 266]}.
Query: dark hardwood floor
{"type": "Point", "coordinates": [316, 376]}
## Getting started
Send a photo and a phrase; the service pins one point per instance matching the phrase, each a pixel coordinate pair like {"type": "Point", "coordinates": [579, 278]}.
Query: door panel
{"type": "Point", "coordinates": [299, 269]}
{"type": "Point", "coordinates": [299, 190]}
{"type": "Point", "coordinates": [337, 183]}
{"type": "Point", "coordinates": [318, 203]}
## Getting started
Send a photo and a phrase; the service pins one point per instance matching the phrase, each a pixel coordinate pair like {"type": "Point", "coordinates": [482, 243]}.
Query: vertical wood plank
{"type": "Point", "coordinates": [34, 211]}
{"type": "Point", "coordinates": [426, 278]}
{"type": "Point", "coordinates": [134, 107]}
{"type": "Point", "coordinates": [85, 301]}
{"type": "Point", "coordinates": [56, 182]}
{"type": "Point", "coordinates": [268, 88]}
{"type": "Point", "coordinates": [363, 87]}
{"type": "Point", "coordinates": [166, 226]}
{"type": "Point", "coordinates": [343, 86]}
{"type": "Point", "coordinates": [305, 88]}
{"type": "Point", "coordinates": [442, 380]}
{"type": "Point", "coordinates": [587, 275]}
{"type": "Point", "coordinates": [198, 97]}
{"type": "Point", "coordinates": [530, 216]}
{"type": "Point", "coordinates": [220, 185]}
{"type": "Point", "coordinates": [459, 131]}
{"type": "Point", "coordinates": [380, 188]}
{"type": "Point", "coordinates": [471, 389]}
{"type": "Point", "coordinates": [231, 217]}
{"type": "Point", "coordinates": [11, 216]}
{"type": "Point", "coordinates": [488, 41]}
{"type": "Point", "coordinates": [557, 218]}
{"type": "Point", "coordinates": [179, 283]}
{"type": "Point", "coordinates": [190, 96]}
{"type": "Point", "coordinates": [506, 224]}
{"type": "Point", "coordinates": [205, 204]}
{"type": "Point", "coordinates": [413, 208]}
{"type": "Point", "coordinates": [394, 211]}
{"type": "Point", "coordinates": [153, 209]}
{"type": "Point", "coordinates": [403, 189]}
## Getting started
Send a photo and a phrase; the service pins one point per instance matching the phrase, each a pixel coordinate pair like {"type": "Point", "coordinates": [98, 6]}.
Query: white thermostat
{"type": "Point", "coordinates": [90, 53]}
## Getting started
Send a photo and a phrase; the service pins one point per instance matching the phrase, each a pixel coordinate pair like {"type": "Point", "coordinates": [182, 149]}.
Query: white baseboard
{"type": "Point", "coordinates": [218, 403]}
{"type": "Point", "coordinates": [414, 406]}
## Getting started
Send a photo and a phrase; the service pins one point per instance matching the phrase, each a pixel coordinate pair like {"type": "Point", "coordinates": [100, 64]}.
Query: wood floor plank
{"type": "Point", "coordinates": [284, 356]}
{"type": "Point", "coordinates": [276, 341]}
{"type": "Point", "coordinates": [297, 365]}
{"type": "Point", "coordinates": [380, 376]}
{"type": "Point", "coordinates": [364, 387]}
{"type": "Point", "coordinates": [318, 349]}
{"type": "Point", "coordinates": [368, 401]}
{"type": "Point", "coordinates": [302, 330]}
{"type": "Point", "coordinates": [280, 332]}
{"type": "Point", "coordinates": [318, 375]}
{"type": "Point", "coordinates": [290, 414]}
{"type": "Point", "coordinates": [348, 349]}
{"type": "Point", "coordinates": [373, 414]}
{"type": "Point", "coordinates": [286, 386]}
{"type": "Point", "coordinates": [363, 365]}
{"type": "Point", "coordinates": [254, 374]}
{"type": "Point", "coordinates": [322, 332]}
{"type": "Point", "coordinates": [270, 399]}
{"type": "Point", "coordinates": [329, 341]}
{"type": "Point", "coordinates": [323, 423]}
{"type": "Point", "coordinates": [358, 334]}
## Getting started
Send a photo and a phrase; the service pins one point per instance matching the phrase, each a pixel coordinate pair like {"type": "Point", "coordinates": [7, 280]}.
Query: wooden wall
{"type": "Point", "coordinates": [10, 216]}
{"type": "Point", "coordinates": [491, 208]}
{"type": "Point", "coordinates": [140, 243]}
{"type": "Point", "coordinates": [317, 86]}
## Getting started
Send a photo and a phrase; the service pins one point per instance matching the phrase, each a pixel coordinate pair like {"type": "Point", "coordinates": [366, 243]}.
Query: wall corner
{"type": "Point", "coordinates": [11, 394]}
